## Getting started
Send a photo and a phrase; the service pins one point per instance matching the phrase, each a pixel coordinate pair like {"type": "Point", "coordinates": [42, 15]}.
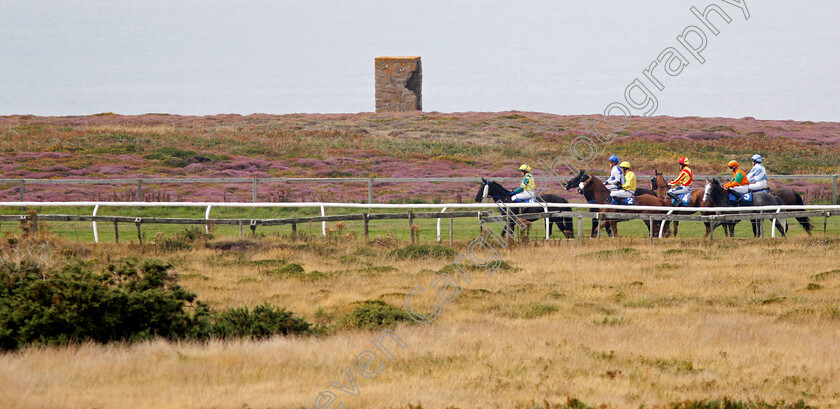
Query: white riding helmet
{"type": "Point", "coordinates": [756, 158]}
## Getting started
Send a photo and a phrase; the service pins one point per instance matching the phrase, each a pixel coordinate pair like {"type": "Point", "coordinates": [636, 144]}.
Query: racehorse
{"type": "Point", "coordinates": [498, 193]}
{"type": "Point", "coordinates": [715, 192]}
{"type": "Point", "coordinates": [657, 184]}
{"type": "Point", "coordinates": [590, 198]}
{"type": "Point", "coordinates": [790, 197]}
{"type": "Point", "coordinates": [595, 192]}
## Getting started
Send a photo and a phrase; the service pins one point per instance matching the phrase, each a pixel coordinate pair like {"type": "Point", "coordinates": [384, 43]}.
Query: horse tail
{"type": "Point", "coordinates": [804, 221]}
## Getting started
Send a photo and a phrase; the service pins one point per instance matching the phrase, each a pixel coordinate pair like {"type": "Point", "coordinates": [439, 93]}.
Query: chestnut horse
{"type": "Point", "coordinates": [590, 186]}
{"type": "Point", "coordinates": [657, 184]}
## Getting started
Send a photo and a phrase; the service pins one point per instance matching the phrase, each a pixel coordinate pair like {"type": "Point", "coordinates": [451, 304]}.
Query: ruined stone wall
{"type": "Point", "coordinates": [399, 83]}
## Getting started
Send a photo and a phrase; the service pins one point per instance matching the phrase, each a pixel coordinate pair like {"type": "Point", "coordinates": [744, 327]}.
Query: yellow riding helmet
{"type": "Point", "coordinates": [624, 164]}
{"type": "Point", "coordinates": [525, 168]}
{"type": "Point", "coordinates": [732, 164]}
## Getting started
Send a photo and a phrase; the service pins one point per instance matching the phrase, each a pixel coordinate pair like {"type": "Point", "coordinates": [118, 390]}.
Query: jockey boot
{"type": "Point", "coordinates": [674, 196]}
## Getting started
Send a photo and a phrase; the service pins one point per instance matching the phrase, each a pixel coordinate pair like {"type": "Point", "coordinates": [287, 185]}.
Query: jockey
{"type": "Point", "coordinates": [739, 183]}
{"type": "Point", "coordinates": [682, 184]}
{"type": "Point", "coordinates": [628, 188]}
{"type": "Point", "coordinates": [616, 179]}
{"type": "Point", "coordinates": [525, 191]}
{"type": "Point", "coordinates": [757, 175]}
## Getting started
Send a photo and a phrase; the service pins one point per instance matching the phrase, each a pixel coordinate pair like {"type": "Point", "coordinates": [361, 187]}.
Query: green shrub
{"type": "Point", "coordinates": [620, 252]}
{"type": "Point", "coordinates": [418, 251]}
{"type": "Point", "coordinates": [181, 240]}
{"type": "Point", "coordinates": [128, 301]}
{"type": "Point", "coordinates": [264, 321]}
{"type": "Point", "coordinates": [374, 314]}
{"type": "Point", "coordinates": [294, 270]}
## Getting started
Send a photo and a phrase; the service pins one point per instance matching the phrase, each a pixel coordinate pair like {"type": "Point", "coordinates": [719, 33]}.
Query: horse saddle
{"type": "Point", "coordinates": [740, 199]}
{"type": "Point", "coordinates": [628, 201]}
{"type": "Point", "coordinates": [681, 199]}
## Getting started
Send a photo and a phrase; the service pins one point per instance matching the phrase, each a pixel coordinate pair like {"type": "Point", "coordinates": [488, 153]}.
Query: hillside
{"type": "Point", "coordinates": [374, 145]}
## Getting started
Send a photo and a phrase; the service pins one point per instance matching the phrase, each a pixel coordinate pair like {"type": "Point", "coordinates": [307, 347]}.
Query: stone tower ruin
{"type": "Point", "coordinates": [399, 82]}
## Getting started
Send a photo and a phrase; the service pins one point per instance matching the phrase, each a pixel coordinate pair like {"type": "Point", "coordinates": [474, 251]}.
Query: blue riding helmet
{"type": "Point", "coordinates": [614, 158]}
{"type": "Point", "coordinates": [756, 158]}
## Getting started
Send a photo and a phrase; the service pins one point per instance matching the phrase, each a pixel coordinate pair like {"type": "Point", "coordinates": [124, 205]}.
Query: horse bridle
{"type": "Point", "coordinates": [584, 183]}
{"type": "Point", "coordinates": [487, 191]}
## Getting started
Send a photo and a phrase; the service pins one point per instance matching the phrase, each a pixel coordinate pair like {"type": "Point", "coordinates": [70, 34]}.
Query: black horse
{"type": "Point", "coordinates": [791, 197]}
{"type": "Point", "coordinates": [497, 193]}
{"type": "Point", "coordinates": [716, 193]}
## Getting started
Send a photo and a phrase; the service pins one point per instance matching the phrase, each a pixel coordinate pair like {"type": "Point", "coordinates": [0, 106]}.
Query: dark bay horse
{"type": "Point", "coordinates": [790, 197]}
{"type": "Point", "coordinates": [497, 193]}
{"type": "Point", "coordinates": [715, 192]}
{"type": "Point", "coordinates": [657, 184]}
{"type": "Point", "coordinates": [596, 193]}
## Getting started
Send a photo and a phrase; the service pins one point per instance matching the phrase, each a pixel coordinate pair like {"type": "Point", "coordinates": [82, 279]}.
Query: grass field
{"type": "Point", "coordinates": [610, 321]}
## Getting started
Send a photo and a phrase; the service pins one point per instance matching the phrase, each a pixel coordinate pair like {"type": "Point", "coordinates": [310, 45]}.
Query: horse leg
{"type": "Point", "coordinates": [676, 227]}
{"type": "Point", "coordinates": [594, 228]}
{"type": "Point", "coordinates": [781, 228]}
{"type": "Point", "coordinates": [569, 227]}
{"type": "Point", "coordinates": [806, 224]}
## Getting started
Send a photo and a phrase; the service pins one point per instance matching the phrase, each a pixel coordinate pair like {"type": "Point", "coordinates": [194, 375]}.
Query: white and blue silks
{"type": "Point", "coordinates": [615, 182]}
{"type": "Point", "coordinates": [757, 177]}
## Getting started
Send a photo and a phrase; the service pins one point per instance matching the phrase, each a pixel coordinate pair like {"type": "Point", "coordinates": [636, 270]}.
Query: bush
{"type": "Point", "coordinates": [374, 314]}
{"type": "Point", "coordinates": [263, 322]}
{"type": "Point", "coordinates": [126, 303]}
{"type": "Point", "coordinates": [129, 301]}
{"type": "Point", "coordinates": [294, 270]}
{"type": "Point", "coordinates": [181, 240]}
{"type": "Point", "coordinates": [416, 251]}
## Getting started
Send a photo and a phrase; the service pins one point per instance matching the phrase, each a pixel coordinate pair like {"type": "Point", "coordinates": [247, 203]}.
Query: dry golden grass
{"type": "Point", "coordinates": [610, 321]}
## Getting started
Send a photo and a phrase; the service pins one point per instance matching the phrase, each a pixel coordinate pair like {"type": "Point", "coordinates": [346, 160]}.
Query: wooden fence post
{"type": "Point", "coordinates": [116, 232]}
{"type": "Point", "coordinates": [366, 222]}
{"type": "Point", "coordinates": [137, 222]}
{"type": "Point", "coordinates": [711, 229]}
{"type": "Point", "coordinates": [650, 221]}
{"type": "Point", "coordinates": [370, 190]}
{"type": "Point", "coordinates": [411, 225]}
{"type": "Point", "coordinates": [825, 223]}
{"type": "Point", "coordinates": [240, 228]}
{"type": "Point", "coordinates": [254, 193]}
{"type": "Point", "coordinates": [833, 190]}
{"type": "Point", "coordinates": [294, 228]}
{"type": "Point", "coordinates": [139, 190]}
